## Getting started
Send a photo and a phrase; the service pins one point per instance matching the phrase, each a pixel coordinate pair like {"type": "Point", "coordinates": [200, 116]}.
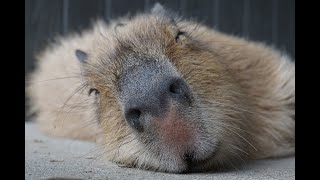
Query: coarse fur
{"type": "Point", "coordinates": [243, 93]}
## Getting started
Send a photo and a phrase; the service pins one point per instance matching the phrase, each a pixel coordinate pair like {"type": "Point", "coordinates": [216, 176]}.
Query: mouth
{"type": "Point", "coordinates": [198, 165]}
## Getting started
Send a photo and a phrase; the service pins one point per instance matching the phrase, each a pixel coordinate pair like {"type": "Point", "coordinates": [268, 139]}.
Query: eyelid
{"type": "Point", "coordinates": [179, 34]}
{"type": "Point", "coordinates": [93, 89]}
{"type": "Point", "coordinates": [118, 25]}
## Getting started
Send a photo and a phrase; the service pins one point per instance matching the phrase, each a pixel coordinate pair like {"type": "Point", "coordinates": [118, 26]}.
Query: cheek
{"type": "Point", "coordinates": [111, 119]}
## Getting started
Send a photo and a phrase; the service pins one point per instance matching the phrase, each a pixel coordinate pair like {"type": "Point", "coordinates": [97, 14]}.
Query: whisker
{"type": "Point", "coordinates": [243, 138]}
{"type": "Point", "coordinates": [59, 78]}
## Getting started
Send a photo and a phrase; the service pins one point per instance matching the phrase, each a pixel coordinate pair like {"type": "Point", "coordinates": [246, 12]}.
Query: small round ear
{"type": "Point", "coordinates": [81, 55]}
{"type": "Point", "coordinates": [159, 10]}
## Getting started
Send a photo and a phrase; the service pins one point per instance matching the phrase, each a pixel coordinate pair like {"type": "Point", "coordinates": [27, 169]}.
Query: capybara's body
{"type": "Point", "coordinates": [167, 94]}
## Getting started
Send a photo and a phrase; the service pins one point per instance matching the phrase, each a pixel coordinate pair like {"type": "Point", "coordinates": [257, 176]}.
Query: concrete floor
{"type": "Point", "coordinates": [53, 158]}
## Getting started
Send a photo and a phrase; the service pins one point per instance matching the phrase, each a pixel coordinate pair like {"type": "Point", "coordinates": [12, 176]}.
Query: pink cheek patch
{"type": "Point", "coordinates": [174, 132]}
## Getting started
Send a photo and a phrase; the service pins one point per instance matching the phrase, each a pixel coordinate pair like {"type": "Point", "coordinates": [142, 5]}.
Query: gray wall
{"type": "Point", "coordinates": [271, 21]}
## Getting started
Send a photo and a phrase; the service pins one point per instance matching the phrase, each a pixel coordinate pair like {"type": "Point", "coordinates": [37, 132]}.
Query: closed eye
{"type": "Point", "coordinates": [180, 33]}
{"type": "Point", "coordinates": [118, 25]}
{"type": "Point", "coordinates": [96, 92]}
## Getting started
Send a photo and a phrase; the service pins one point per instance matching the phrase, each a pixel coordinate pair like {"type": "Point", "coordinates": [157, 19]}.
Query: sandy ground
{"type": "Point", "coordinates": [53, 158]}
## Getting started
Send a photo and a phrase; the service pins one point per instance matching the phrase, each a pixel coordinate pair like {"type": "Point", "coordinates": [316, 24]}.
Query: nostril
{"type": "Point", "coordinates": [180, 90]}
{"type": "Point", "coordinates": [133, 116]}
{"type": "Point", "coordinates": [134, 113]}
{"type": "Point", "coordinates": [176, 87]}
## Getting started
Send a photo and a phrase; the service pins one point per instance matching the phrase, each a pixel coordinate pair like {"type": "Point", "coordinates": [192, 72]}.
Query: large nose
{"type": "Point", "coordinates": [153, 100]}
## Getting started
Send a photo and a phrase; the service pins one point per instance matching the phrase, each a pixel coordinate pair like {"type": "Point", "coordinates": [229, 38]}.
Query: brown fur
{"type": "Point", "coordinates": [244, 93]}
